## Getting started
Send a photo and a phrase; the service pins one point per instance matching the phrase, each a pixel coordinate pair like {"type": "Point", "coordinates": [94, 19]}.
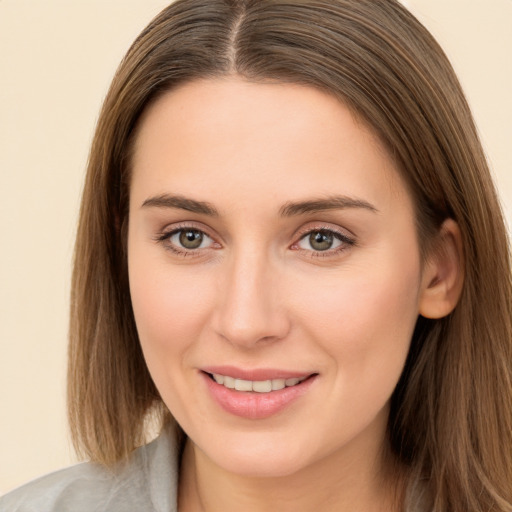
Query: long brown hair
{"type": "Point", "coordinates": [451, 414]}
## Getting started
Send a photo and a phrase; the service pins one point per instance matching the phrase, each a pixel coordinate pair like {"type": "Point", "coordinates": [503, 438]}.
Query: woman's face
{"type": "Point", "coordinates": [271, 239]}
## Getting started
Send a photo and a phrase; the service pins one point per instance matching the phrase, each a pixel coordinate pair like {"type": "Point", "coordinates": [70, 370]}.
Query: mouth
{"type": "Point", "coordinates": [257, 386]}
{"type": "Point", "coordinates": [257, 394]}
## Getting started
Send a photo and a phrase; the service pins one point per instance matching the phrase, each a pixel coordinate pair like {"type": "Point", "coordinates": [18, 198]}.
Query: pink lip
{"type": "Point", "coordinates": [252, 405]}
{"type": "Point", "coordinates": [255, 374]}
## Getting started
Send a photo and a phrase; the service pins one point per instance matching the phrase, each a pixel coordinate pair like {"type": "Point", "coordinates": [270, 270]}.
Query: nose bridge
{"type": "Point", "coordinates": [249, 308]}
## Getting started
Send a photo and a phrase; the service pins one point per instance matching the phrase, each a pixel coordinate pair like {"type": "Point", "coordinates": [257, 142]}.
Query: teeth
{"type": "Point", "coordinates": [278, 384]}
{"type": "Point", "coordinates": [262, 386]}
{"type": "Point", "coordinates": [229, 382]}
{"type": "Point", "coordinates": [243, 385]}
{"type": "Point", "coordinates": [258, 386]}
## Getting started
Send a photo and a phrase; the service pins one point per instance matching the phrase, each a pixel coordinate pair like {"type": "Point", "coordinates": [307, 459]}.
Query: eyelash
{"type": "Point", "coordinates": [165, 236]}
{"type": "Point", "coordinates": [346, 241]}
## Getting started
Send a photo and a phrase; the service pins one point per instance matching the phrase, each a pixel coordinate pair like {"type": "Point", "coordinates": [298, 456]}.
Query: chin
{"type": "Point", "coordinates": [259, 458]}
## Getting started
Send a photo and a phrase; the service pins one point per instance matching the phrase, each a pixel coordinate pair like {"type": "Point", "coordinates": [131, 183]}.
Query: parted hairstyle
{"type": "Point", "coordinates": [451, 414]}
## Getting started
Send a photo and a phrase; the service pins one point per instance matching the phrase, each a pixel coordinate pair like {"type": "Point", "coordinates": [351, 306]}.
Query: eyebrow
{"type": "Point", "coordinates": [319, 205]}
{"type": "Point", "coordinates": [289, 209]}
{"type": "Point", "coordinates": [181, 203]}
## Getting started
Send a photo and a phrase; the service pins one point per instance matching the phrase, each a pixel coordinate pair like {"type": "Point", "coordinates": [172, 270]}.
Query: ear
{"type": "Point", "coordinates": [443, 273]}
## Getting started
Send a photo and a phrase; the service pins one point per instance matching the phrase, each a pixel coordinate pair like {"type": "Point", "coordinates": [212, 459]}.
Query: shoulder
{"type": "Point", "coordinates": [146, 483]}
{"type": "Point", "coordinates": [81, 487]}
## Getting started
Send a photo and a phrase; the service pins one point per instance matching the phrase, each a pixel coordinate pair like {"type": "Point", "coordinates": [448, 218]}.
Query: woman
{"type": "Point", "coordinates": [289, 244]}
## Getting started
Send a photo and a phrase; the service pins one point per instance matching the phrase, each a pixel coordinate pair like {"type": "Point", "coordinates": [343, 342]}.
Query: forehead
{"type": "Point", "coordinates": [230, 137]}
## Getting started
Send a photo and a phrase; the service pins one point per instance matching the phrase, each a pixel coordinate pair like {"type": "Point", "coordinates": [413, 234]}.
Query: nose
{"type": "Point", "coordinates": [250, 308]}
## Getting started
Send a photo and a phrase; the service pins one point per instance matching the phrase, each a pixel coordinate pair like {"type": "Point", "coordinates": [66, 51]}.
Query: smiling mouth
{"type": "Point", "coordinates": [273, 392]}
{"type": "Point", "coordinates": [257, 386]}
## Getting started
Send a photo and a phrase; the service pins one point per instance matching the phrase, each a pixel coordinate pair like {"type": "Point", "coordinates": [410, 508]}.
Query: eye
{"type": "Point", "coordinates": [189, 239]}
{"type": "Point", "coordinates": [185, 240]}
{"type": "Point", "coordinates": [319, 241]}
{"type": "Point", "coordinates": [322, 240]}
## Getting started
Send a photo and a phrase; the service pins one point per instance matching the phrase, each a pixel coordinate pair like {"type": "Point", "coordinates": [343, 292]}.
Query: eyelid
{"type": "Point", "coordinates": [324, 226]}
{"type": "Point", "coordinates": [347, 238]}
{"type": "Point", "coordinates": [163, 237]}
{"type": "Point", "coordinates": [182, 225]}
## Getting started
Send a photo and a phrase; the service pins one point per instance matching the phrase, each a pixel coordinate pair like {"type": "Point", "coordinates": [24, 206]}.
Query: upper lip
{"type": "Point", "coordinates": [255, 374]}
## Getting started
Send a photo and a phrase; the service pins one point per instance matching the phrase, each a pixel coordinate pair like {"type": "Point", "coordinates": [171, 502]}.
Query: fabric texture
{"type": "Point", "coordinates": [147, 483]}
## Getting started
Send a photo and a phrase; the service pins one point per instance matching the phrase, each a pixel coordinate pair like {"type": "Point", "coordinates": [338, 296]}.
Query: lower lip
{"type": "Point", "coordinates": [253, 405]}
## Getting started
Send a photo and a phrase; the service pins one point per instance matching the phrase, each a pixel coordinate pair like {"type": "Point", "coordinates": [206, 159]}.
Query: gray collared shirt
{"type": "Point", "coordinates": [147, 483]}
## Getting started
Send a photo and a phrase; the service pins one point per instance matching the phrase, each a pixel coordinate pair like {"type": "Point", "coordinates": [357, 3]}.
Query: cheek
{"type": "Point", "coordinates": [364, 319]}
{"type": "Point", "coordinates": [170, 311]}
{"type": "Point", "coordinates": [170, 307]}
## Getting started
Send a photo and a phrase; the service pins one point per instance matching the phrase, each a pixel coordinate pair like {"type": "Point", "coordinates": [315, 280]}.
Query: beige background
{"type": "Point", "coordinates": [56, 60]}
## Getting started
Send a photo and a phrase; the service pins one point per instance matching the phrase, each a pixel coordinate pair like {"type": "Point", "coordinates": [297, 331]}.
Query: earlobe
{"type": "Point", "coordinates": [443, 275]}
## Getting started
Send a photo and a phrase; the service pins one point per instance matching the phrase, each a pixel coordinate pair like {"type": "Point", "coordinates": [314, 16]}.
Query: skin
{"type": "Point", "coordinates": [258, 294]}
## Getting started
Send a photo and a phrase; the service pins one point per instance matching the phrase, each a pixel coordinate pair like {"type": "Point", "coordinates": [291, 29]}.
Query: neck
{"type": "Point", "coordinates": [360, 481]}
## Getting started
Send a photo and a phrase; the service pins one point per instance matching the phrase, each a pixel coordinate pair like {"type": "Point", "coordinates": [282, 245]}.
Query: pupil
{"type": "Point", "coordinates": [321, 241]}
{"type": "Point", "coordinates": [191, 239]}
